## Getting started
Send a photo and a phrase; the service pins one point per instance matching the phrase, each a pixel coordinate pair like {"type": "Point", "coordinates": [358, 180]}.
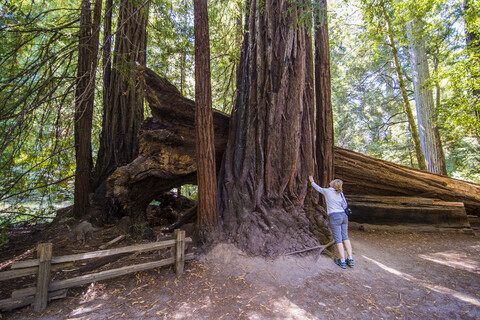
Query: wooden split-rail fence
{"type": "Point", "coordinates": [46, 289]}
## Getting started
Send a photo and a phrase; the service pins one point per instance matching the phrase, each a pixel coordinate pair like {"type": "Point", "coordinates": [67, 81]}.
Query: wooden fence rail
{"type": "Point", "coordinates": [48, 290]}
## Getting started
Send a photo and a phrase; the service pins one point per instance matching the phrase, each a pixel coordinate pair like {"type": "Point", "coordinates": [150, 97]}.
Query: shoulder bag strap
{"type": "Point", "coordinates": [343, 196]}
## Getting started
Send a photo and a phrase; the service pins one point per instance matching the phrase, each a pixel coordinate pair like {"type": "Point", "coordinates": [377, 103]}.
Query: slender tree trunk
{"type": "Point", "coordinates": [107, 51]}
{"type": "Point", "coordinates": [408, 109]}
{"type": "Point", "coordinates": [84, 100]}
{"type": "Point", "coordinates": [124, 108]}
{"type": "Point", "coordinates": [426, 115]}
{"type": "Point", "coordinates": [107, 75]}
{"type": "Point", "coordinates": [182, 70]}
{"type": "Point", "coordinates": [325, 139]}
{"type": "Point", "coordinates": [437, 82]}
{"type": "Point", "coordinates": [207, 212]}
{"type": "Point", "coordinates": [269, 153]}
{"type": "Point", "coordinates": [183, 54]}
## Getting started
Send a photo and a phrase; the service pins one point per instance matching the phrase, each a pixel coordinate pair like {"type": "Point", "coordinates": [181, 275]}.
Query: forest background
{"type": "Point", "coordinates": [39, 61]}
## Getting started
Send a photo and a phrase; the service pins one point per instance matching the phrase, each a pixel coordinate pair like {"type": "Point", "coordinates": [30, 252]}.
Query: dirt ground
{"type": "Point", "coordinates": [396, 276]}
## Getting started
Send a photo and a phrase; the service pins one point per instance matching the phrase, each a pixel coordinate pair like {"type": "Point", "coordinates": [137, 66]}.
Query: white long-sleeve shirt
{"type": "Point", "coordinates": [335, 202]}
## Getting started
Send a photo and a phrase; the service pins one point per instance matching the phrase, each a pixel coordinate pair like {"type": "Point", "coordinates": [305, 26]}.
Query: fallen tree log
{"type": "Point", "coordinates": [166, 147]}
{"type": "Point", "coordinates": [392, 210]}
{"type": "Point", "coordinates": [409, 228]}
{"type": "Point", "coordinates": [364, 175]}
{"type": "Point", "coordinates": [167, 159]}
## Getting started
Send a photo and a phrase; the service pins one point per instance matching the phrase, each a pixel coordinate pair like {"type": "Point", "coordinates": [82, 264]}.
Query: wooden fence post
{"type": "Point", "coordinates": [179, 250]}
{"type": "Point", "coordinates": [44, 254]}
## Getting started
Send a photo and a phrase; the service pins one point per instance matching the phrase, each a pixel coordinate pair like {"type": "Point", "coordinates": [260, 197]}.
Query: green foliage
{"type": "Point", "coordinates": [190, 191]}
{"type": "Point", "coordinates": [226, 35]}
{"type": "Point", "coordinates": [171, 43]}
{"type": "Point", "coordinates": [37, 64]}
{"type": "Point", "coordinates": [139, 229]}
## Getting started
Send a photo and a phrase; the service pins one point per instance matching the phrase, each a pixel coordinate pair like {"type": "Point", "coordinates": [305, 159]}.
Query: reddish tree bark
{"type": "Point", "coordinates": [325, 139]}
{"type": "Point", "coordinates": [84, 100]}
{"type": "Point", "coordinates": [106, 50]}
{"type": "Point", "coordinates": [207, 214]}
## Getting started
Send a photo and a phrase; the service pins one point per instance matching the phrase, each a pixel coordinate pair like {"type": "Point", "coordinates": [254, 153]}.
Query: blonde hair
{"type": "Point", "coordinates": [337, 185]}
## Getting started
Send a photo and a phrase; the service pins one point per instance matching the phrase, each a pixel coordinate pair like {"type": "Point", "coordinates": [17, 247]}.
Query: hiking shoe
{"type": "Point", "coordinates": [350, 263]}
{"type": "Point", "coordinates": [342, 265]}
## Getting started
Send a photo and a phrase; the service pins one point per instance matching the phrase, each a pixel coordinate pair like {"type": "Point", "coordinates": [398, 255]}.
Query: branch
{"type": "Point", "coordinates": [313, 248]}
{"type": "Point", "coordinates": [43, 30]}
{"type": "Point", "coordinates": [36, 187]}
{"type": "Point", "coordinates": [26, 214]}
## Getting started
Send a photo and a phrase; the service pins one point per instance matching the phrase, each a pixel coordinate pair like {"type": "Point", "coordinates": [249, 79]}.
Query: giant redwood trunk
{"type": "Point", "coordinates": [123, 111]}
{"type": "Point", "coordinates": [263, 182]}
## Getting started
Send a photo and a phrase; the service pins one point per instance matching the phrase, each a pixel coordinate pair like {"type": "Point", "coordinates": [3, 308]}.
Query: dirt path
{"type": "Point", "coordinates": [397, 276]}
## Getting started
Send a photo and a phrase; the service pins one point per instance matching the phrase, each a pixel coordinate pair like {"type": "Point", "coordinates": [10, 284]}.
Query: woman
{"type": "Point", "coordinates": [336, 205]}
